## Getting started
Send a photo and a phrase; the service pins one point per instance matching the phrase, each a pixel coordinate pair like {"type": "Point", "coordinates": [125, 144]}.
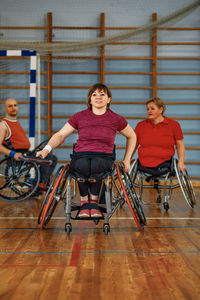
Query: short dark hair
{"type": "Point", "coordinates": [100, 87]}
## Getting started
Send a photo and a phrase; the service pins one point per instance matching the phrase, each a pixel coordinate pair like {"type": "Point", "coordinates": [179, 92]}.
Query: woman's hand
{"type": "Point", "coordinates": [43, 153]}
{"type": "Point", "coordinates": [181, 167]}
{"type": "Point", "coordinates": [126, 164]}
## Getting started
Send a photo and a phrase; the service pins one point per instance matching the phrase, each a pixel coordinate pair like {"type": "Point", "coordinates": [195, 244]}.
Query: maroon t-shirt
{"type": "Point", "coordinates": [96, 133]}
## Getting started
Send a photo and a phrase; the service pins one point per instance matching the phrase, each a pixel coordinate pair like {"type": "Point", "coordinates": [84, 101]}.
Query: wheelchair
{"type": "Point", "coordinates": [20, 179]}
{"type": "Point", "coordinates": [143, 178]}
{"type": "Point", "coordinates": [118, 189]}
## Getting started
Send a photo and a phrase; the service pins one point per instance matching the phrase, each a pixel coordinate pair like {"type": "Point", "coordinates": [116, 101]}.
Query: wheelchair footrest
{"type": "Point", "coordinates": [88, 218]}
{"type": "Point", "coordinates": [88, 206]}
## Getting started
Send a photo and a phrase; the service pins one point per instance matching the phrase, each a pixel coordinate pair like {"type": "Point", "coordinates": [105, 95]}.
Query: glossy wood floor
{"type": "Point", "coordinates": [163, 262]}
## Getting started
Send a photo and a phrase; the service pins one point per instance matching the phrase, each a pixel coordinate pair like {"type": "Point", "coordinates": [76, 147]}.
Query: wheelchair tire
{"type": "Point", "coordinates": [131, 197]}
{"type": "Point", "coordinates": [18, 179]}
{"type": "Point", "coordinates": [52, 197]}
{"type": "Point", "coordinates": [135, 200]}
{"type": "Point", "coordinates": [185, 185]}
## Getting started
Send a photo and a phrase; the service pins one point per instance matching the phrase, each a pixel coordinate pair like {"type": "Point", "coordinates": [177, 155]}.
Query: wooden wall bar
{"type": "Point", "coordinates": [48, 74]}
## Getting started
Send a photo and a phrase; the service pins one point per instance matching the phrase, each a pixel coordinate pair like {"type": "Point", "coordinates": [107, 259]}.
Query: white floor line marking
{"type": "Point", "coordinates": [113, 218]}
{"type": "Point", "coordinates": [159, 218]}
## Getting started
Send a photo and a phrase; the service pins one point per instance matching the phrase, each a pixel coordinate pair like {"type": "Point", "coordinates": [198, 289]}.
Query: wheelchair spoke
{"type": "Point", "coordinates": [18, 179]}
{"type": "Point", "coordinates": [135, 200]}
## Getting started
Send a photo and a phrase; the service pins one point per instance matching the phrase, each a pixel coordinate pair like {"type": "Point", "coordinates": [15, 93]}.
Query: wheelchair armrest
{"type": "Point", "coordinates": [37, 160]}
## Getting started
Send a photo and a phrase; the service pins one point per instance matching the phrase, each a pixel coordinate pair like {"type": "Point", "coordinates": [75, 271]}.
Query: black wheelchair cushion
{"type": "Point", "coordinates": [157, 171]}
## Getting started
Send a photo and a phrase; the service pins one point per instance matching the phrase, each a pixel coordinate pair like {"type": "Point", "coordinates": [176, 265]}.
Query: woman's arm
{"type": "Point", "coordinates": [56, 139]}
{"type": "Point", "coordinates": [130, 135]}
{"type": "Point", "coordinates": [135, 149]}
{"type": "Point", "coordinates": [181, 155]}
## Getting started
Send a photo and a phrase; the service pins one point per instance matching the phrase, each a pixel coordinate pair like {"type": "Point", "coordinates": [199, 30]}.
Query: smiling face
{"type": "Point", "coordinates": [11, 108]}
{"type": "Point", "coordinates": [154, 112]}
{"type": "Point", "coordinates": [99, 99]}
{"type": "Point", "coordinates": [98, 94]}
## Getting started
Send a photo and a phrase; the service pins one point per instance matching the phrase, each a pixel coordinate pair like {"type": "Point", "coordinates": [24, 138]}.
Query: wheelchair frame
{"type": "Point", "coordinates": [115, 196]}
{"type": "Point", "coordinates": [182, 180]}
{"type": "Point", "coordinates": [19, 179]}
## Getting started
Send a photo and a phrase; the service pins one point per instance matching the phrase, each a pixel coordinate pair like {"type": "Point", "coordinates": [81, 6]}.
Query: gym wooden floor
{"type": "Point", "coordinates": [163, 262]}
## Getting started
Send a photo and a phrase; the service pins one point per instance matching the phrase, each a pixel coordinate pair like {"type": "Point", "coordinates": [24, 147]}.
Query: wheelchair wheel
{"type": "Point", "coordinates": [18, 179]}
{"type": "Point", "coordinates": [53, 195]}
{"type": "Point", "coordinates": [131, 197]}
{"type": "Point", "coordinates": [186, 186]}
{"type": "Point", "coordinates": [135, 200]}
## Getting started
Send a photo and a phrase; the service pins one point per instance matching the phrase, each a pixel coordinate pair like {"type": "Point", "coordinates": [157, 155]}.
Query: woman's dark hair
{"type": "Point", "coordinates": [99, 87]}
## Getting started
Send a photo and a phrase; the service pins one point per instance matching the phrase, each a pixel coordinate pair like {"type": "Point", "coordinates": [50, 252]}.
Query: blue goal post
{"type": "Point", "coordinates": [32, 97]}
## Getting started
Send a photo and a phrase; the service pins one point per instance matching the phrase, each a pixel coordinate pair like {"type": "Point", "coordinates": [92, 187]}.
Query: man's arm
{"type": "Point", "coordinates": [3, 149]}
{"type": "Point", "coordinates": [3, 134]}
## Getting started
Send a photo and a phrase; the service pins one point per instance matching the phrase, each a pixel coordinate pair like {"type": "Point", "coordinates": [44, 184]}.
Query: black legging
{"type": "Point", "coordinates": [91, 167]}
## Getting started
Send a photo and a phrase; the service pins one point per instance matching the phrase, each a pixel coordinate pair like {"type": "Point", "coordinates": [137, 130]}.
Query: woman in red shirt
{"type": "Point", "coordinates": [157, 137]}
{"type": "Point", "coordinates": [94, 151]}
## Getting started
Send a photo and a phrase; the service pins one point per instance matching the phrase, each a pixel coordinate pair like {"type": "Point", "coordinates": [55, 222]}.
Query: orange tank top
{"type": "Point", "coordinates": [16, 138]}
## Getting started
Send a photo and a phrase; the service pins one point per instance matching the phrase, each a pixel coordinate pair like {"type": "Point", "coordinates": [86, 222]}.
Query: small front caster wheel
{"type": "Point", "coordinates": [68, 228]}
{"type": "Point", "coordinates": [159, 199]}
{"type": "Point", "coordinates": [106, 228]}
{"type": "Point", "coordinates": [166, 206]}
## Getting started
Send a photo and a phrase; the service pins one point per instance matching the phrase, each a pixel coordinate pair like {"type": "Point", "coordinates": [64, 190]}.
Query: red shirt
{"type": "Point", "coordinates": [157, 141]}
{"type": "Point", "coordinates": [96, 133]}
{"type": "Point", "coordinates": [17, 136]}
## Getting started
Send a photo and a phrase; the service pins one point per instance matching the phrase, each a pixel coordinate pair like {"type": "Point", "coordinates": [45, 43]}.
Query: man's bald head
{"type": "Point", "coordinates": [11, 108]}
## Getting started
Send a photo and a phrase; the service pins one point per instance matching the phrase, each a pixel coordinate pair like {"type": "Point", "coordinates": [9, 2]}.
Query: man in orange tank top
{"type": "Point", "coordinates": [14, 142]}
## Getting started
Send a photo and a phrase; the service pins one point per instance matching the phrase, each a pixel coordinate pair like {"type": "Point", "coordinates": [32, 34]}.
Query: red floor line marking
{"type": "Point", "coordinates": [77, 247]}
{"type": "Point", "coordinates": [34, 266]}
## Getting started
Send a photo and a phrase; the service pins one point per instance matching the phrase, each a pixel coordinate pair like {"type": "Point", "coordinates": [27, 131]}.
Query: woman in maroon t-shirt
{"type": "Point", "coordinates": [94, 150]}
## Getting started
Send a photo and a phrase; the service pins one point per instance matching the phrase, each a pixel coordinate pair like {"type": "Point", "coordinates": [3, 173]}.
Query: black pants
{"type": "Point", "coordinates": [90, 167]}
{"type": "Point", "coordinates": [47, 170]}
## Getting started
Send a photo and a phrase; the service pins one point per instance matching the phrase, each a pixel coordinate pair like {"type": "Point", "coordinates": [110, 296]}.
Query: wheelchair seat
{"type": "Point", "coordinates": [155, 172]}
{"type": "Point", "coordinates": [78, 177]}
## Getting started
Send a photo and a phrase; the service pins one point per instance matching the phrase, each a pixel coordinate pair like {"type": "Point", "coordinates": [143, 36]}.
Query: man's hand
{"type": "Point", "coordinates": [17, 155]}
